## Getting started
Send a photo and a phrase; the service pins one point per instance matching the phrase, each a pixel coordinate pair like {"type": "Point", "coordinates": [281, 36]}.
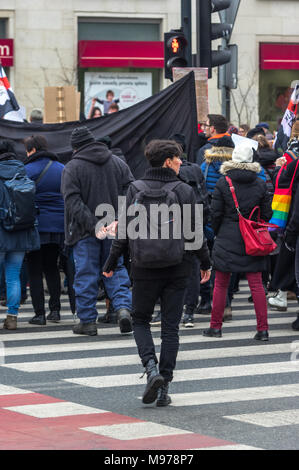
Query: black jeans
{"type": "Point", "coordinates": [44, 261]}
{"type": "Point", "coordinates": [145, 294]}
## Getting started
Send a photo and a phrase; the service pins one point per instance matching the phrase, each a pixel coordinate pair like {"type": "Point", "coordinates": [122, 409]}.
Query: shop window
{"type": "Point", "coordinates": [95, 30]}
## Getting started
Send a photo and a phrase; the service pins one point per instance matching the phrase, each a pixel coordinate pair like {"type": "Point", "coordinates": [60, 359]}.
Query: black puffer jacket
{"type": "Point", "coordinates": [229, 249]}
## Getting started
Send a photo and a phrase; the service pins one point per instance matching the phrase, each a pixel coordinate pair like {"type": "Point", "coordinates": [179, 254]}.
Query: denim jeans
{"type": "Point", "coordinates": [12, 262]}
{"type": "Point", "coordinates": [90, 255]}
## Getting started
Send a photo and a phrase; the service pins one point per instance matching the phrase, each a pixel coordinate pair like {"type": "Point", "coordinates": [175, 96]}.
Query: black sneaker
{"type": "Point", "coordinates": [188, 321]}
{"type": "Point", "coordinates": [204, 308]}
{"type": "Point", "coordinates": [213, 332]}
{"type": "Point", "coordinates": [124, 320]}
{"type": "Point", "coordinates": [54, 316]}
{"type": "Point", "coordinates": [262, 336]}
{"type": "Point", "coordinates": [38, 320]}
{"type": "Point", "coordinates": [295, 324]}
{"type": "Point", "coordinates": [89, 329]}
{"type": "Point", "coordinates": [156, 319]}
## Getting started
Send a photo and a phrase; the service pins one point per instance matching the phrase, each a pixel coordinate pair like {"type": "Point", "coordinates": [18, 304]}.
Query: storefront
{"type": "Point", "coordinates": [279, 69]}
{"type": "Point", "coordinates": [126, 58]}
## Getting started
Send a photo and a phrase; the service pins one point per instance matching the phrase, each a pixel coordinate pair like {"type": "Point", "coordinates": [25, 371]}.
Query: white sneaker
{"type": "Point", "coordinates": [279, 301]}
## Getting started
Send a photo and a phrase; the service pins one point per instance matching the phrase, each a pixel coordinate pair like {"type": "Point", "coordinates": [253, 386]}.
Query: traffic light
{"type": "Point", "coordinates": [175, 51]}
{"type": "Point", "coordinates": [209, 31]}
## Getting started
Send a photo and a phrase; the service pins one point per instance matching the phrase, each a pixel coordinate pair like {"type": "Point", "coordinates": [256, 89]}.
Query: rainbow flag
{"type": "Point", "coordinates": [281, 202]}
{"type": "Point", "coordinates": [284, 132]}
{"type": "Point", "coordinates": [9, 108]}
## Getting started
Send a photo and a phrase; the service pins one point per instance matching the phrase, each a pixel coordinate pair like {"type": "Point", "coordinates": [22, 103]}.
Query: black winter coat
{"type": "Point", "coordinates": [94, 176]}
{"type": "Point", "coordinates": [229, 250]}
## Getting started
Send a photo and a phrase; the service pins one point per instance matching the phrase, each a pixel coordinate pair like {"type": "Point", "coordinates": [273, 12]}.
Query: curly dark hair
{"type": "Point", "coordinates": [157, 151]}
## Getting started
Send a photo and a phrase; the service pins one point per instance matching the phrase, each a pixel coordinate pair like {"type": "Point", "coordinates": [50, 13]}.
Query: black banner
{"type": "Point", "coordinates": [171, 111]}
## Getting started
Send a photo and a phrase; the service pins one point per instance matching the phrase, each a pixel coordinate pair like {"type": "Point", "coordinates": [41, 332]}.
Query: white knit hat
{"type": "Point", "coordinates": [242, 154]}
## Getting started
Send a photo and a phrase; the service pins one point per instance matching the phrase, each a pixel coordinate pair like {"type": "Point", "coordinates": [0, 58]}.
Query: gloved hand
{"type": "Point", "coordinates": [290, 241]}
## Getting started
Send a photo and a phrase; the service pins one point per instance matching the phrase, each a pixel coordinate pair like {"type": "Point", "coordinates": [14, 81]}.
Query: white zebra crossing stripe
{"type": "Point", "coordinates": [190, 374]}
{"type": "Point", "coordinates": [198, 326]}
{"type": "Point", "coordinates": [118, 344]}
{"type": "Point", "coordinates": [54, 410]}
{"type": "Point", "coordinates": [7, 390]}
{"type": "Point", "coordinates": [193, 355]}
{"type": "Point", "coordinates": [135, 430]}
{"type": "Point", "coordinates": [269, 419]}
{"type": "Point", "coordinates": [234, 395]}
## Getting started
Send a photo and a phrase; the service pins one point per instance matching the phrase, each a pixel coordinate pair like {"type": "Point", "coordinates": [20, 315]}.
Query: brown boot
{"type": "Point", "coordinates": [10, 322]}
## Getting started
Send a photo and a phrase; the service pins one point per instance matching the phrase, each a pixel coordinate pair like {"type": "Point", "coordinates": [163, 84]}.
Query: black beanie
{"type": "Point", "coordinates": [81, 136]}
{"type": "Point", "coordinates": [255, 131]}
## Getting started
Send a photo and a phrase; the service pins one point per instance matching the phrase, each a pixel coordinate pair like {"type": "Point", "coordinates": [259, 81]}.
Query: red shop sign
{"type": "Point", "coordinates": [6, 52]}
{"type": "Point", "coordinates": [278, 56]}
{"type": "Point", "coordinates": [143, 54]}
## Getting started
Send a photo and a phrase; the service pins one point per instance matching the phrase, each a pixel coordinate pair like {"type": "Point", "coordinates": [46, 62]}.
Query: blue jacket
{"type": "Point", "coordinates": [48, 196]}
{"type": "Point", "coordinates": [23, 240]}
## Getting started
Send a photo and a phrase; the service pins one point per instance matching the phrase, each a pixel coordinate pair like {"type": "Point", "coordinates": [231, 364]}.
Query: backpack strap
{"type": "Point", "coordinates": [206, 170]}
{"type": "Point", "coordinates": [43, 172]}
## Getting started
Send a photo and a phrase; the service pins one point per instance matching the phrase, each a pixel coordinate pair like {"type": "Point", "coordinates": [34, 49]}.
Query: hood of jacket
{"type": "Point", "coordinates": [9, 168]}
{"type": "Point", "coordinates": [95, 152]}
{"type": "Point", "coordinates": [244, 172]}
{"type": "Point", "coordinates": [220, 154]}
{"type": "Point", "coordinates": [267, 156]}
{"type": "Point", "coordinates": [41, 154]}
{"type": "Point", "coordinates": [7, 156]}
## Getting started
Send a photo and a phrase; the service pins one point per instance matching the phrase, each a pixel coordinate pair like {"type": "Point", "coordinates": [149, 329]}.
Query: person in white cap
{"type": "Point", "coordinates": [229, 254]}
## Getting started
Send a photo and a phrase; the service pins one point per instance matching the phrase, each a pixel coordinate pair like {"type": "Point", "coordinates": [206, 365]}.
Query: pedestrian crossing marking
{"type": "Point", "coordinates": [133, 359]}
{"type": "Point", "coordinates": [141, 430]}
{"type": "Point", "coordinates": [269, 419]}
{"type": "Point", "coordinates": [185, 375]}
{"type": "Point", "coordinates": [235, 395]}
{"type": "Point", "coordinates": [54, 410]}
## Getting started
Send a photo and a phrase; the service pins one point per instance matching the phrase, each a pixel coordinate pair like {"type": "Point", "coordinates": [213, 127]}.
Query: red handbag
{"type": "Point", "coordinates": [256, 236]}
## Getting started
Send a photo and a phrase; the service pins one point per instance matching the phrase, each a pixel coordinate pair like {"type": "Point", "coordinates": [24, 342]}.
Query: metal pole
{"type": "Point", "coordinates": [186, 22]}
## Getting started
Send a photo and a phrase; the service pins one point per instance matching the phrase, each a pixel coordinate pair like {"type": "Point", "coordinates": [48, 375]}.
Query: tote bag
{"type": "Point", "coordinates": [255, 234]}
{"type": "Point", "coordinates": [281, 202]}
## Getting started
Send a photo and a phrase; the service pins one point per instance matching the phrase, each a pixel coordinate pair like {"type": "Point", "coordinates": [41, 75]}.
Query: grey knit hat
{"type": "Point", "coordinates": [81, 136]}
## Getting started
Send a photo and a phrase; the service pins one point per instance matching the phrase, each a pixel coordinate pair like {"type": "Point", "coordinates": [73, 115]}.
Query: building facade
{"type": "Point", "coordinates": [98, 45]}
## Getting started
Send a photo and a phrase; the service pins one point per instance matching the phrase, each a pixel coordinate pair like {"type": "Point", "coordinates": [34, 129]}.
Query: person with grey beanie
{"type": "Point", "coordinates": [94, 176]}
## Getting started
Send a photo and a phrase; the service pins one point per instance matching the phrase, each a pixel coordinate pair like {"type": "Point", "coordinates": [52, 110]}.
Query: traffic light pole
{"type": "Point", "coordinates": [186, 15]}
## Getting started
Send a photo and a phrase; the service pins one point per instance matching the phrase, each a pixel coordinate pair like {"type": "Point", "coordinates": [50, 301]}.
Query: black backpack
{"type": "Point", "coordinates": [154, 251]}
{"type": "Point", "coordinates": [18, 211]}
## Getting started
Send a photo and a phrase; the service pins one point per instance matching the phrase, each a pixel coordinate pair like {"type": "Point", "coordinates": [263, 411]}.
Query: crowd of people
{"type": "Point", "coordinates": [68, 237]}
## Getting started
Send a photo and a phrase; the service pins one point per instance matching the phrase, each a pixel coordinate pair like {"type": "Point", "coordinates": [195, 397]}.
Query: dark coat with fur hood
{"type": "Point", "coordinates": [214, 157]}
{"type": "Point", "coordinates": [229, 250]}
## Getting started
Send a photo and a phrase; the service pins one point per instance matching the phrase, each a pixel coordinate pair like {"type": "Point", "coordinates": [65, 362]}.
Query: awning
{"type": "Point", "coordinates": [279, 56]}
{"type": "Point", "coordinates": [142, 54]}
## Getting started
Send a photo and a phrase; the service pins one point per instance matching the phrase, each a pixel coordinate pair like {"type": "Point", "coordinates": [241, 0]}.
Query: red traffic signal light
{"type": "Point", "coordinates": [174, 51]}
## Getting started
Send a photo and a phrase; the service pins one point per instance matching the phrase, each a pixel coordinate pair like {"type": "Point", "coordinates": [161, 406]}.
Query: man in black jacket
{"type": "Point", "coordinates": [94, 176]}
{"type": "Point", "coordinates": [168, 282]}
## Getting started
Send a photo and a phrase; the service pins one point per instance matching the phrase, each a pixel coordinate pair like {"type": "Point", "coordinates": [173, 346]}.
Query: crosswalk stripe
{"type": "Point", "coordinates": [103, 345]}
{"type": "Point", "coordinates": [193, 355]}
{"type": "Point", "coordinates": [106, 331]}
{"type": "Point", "coordinates": [206, 373]}
{"type": "Point", "coordinates": [269, 419]}
{"type": "Point", "coordinates": [135, 430]}
{"type": "Point", "coordinates": [54, 410]}
{"type": "Point", "coordinates": [234, 395]}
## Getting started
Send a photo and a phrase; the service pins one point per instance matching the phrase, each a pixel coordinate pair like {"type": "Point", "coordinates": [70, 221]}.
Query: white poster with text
{"type": "Point", "coordinates": [129, 88]}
